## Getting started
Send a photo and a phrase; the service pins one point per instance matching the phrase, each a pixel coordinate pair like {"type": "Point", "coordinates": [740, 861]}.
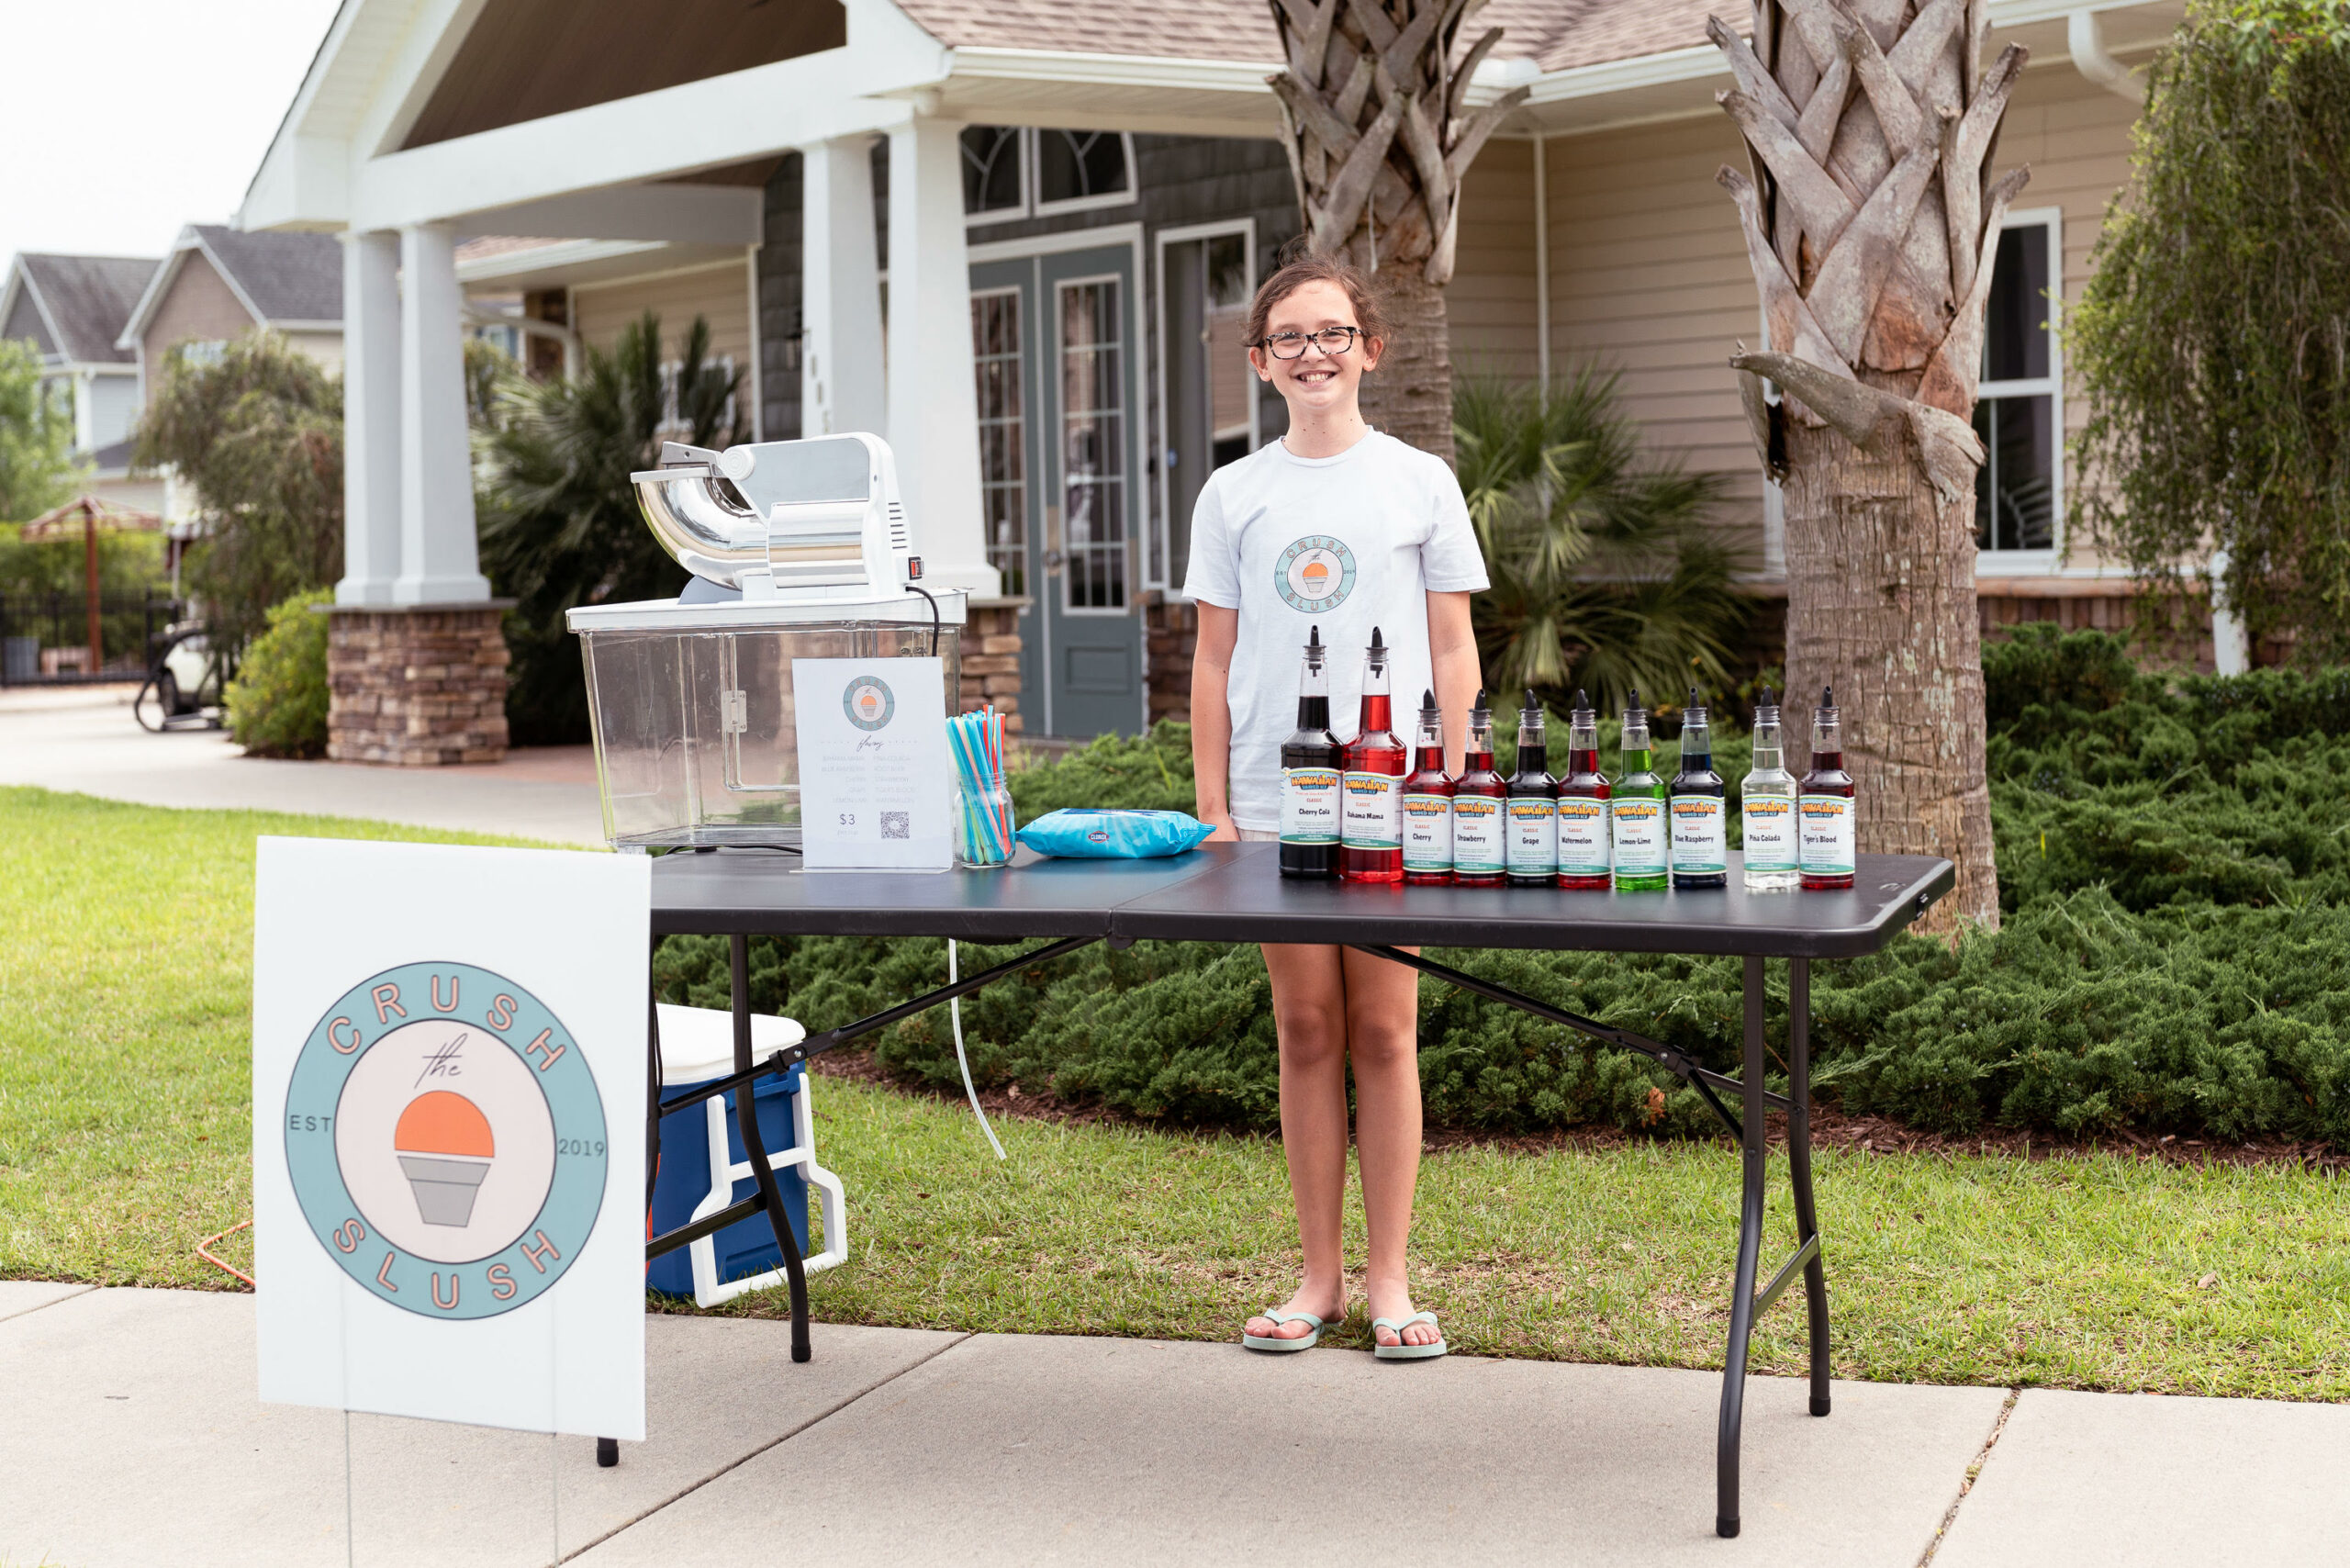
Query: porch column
{"type": "Point", "coordinates": [842, 373]}
{"type": "Point", "coordinates": [438, 564]}
{"type": "Point", "coordinates": [371, 418]}
{"type": "Point", "coordinates": [933, 401]}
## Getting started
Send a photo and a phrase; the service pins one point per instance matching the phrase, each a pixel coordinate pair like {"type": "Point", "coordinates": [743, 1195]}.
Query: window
{"type": "Point", "coordinates": [1094, 441]}
{"type": "Point", "coordinates": [2017, 412]}
{"type": "Point", "coordinates": [1003, 461]}
{"type": "Point", "coordinates": [1088, 167]}
{"type": "Point", "coordinates": [675, 425]}
{"type": "Point", "coordinates": [993, 186]}
{"type": "Point", "coordinates": [1016, 172]}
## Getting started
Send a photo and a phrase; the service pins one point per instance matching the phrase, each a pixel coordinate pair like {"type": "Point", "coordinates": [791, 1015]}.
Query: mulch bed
{"type": "Point", "coordinates": [1830, 1129]}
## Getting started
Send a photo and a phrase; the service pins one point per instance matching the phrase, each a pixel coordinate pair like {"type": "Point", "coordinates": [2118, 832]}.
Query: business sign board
{"type": "Point", "coordinates": [449, 1083]}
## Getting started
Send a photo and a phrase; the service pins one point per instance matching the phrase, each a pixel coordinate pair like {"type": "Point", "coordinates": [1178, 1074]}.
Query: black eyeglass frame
{"type": "Point", "coordinates": [1346, 336]}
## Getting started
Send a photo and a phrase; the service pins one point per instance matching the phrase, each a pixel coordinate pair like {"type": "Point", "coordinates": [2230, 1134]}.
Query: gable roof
{"type": "Point", "coordinates": [285, 280]}
{"type": "Point", "coordinates": [84, 301]}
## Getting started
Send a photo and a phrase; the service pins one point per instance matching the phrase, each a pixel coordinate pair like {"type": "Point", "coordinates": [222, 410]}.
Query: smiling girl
{"type": "Point", "coordinates": [1340, 527]}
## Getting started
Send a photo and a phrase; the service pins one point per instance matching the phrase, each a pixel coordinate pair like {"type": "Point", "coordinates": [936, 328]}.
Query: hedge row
{"type": "Point", "coordinates": [2173, 859]}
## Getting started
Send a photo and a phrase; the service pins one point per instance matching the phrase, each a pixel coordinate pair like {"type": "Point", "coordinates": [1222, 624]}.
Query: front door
{"type": "Point", "coordinates": [1057, 343]}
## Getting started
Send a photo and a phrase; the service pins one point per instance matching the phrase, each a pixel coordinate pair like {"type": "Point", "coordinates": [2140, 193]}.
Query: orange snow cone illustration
{"type": "Point", "coordinates": [1317, 578]}
{"type": "Point", "coordinates": [445, 1146]}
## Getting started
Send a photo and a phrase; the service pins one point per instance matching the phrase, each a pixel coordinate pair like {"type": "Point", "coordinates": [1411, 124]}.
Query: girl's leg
{"type": "Point", "coordinates": [1382, 1035]}
{"type": "Point", "coordinates": [1310, 1013]}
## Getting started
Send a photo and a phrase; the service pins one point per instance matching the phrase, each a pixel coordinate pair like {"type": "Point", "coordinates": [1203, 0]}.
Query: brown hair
{"type": "Point", "coordinates": [1316, 268]}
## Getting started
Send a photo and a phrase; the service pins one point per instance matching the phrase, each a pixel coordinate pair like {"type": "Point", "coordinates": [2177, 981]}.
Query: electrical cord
{"type": "Point", "coordinates": [955, 1011]}
{"type": "Point", "coordinates": [913, 588]}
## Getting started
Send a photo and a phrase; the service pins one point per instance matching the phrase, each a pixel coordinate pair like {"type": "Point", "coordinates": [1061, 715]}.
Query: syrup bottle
{"type": "Point", "coordinates": [1825, 804]}
{"type": "Point", "coordinates": [1310, 768]}
{"type": "Point", "coordinates": [1584, 857]}
{"type": "Point", "coordinates": [1533, 804]}
{"type": "Point", "coordinates": [1636, 810]}
{"type": "Point", "coordinates": [1428, 802]}
{"type": "Point", "coordinates": [1371, 813]}
{"type": "Point", "coordinates": [1767, 806]}
{"type": "Point", "coordinates": [1478, 800]}
{"type": "Point", "coordinates": [1700, 836]}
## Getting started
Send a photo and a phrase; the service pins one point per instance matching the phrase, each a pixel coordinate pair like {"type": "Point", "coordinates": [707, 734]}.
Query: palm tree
{"type": "Point", "coordinates": [1606, 574]}
{"type": "Point", "coordinates": [559, 521]}
{"type": "Point", "coordinates": [1375, 116]}
{"type": "Point", "coordinates": [1871, 224]}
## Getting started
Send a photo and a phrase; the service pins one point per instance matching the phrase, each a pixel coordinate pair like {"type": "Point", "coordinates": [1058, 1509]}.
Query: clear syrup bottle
{"type": "Point", "coordinates": [1700, 836]}
{"type": "Point", "coordinates": [1767, 806]}
{"type": "Point", "coordinates": [1584, 857]}
{"type": "Point", "coordinates": [1428, 802]}
{"type": "Point", "coordinates": [1824, 804]}
{"type": "Point", "coordinates": [1371, 794]}
{"type": "Point", "coordinates": [1311, 763]}
{"type": "Point", "coordinates": [1479, 797]}
{"type": "Point", "coordinates": [1635, 809]}
{"type": "Point", "coordinates": [1533, 804]}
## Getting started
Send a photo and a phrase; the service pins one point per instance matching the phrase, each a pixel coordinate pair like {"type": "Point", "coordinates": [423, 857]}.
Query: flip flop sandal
{"type": "Point", "coordinates": [1400, 1351]}
{"type": "Point", "coordinates": [1278, 1345]}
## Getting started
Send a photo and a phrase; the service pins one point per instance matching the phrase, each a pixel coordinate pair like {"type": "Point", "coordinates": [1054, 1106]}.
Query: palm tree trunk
{"type": "Point", "coordinates": [1410, 395]}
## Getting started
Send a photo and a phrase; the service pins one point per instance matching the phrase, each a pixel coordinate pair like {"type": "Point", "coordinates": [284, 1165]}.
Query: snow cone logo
{"type": "Point", "coordinates": [446, 1140]}
{"type": "Point", "coordinates": [868, 703]}
{"type": "Point", "coordinates": [1315, 574]}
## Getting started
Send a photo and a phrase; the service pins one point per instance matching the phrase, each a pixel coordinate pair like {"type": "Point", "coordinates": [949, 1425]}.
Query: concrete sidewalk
{"type": "Point", "coordinates": [134, 1437]}
{"type": "Point", "coordinates": [83, 738]}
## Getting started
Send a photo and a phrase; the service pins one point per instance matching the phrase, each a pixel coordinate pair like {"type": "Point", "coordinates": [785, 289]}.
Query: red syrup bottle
{"type": "Point", "coordinates": [1584, 861]}
{"type": "Point", "coordinates": [1479, 807]}
{"type": "Point", "coordinates": [1825, 805]}
{"type": "Point", "coordinates": [1427, 803]}
{"type": "Point", "coordinates": [1370, 847]}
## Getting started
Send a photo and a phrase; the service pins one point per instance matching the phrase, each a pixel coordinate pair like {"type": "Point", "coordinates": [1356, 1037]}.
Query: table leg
{"type": "Point", "coordinates": [1815, 1271]}
{"type": "Point", "coordinates": [754, 1149]}
{"type": "Point", "coordinates": [1750, 1245]}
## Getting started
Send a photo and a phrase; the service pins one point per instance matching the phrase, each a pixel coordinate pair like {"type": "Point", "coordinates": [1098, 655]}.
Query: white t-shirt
{"type": "Point", "coordinates": [1346, 544]}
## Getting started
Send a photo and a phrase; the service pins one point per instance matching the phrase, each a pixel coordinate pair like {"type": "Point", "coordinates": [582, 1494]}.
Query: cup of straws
{"type": "Point", "coordinates": [982, 804]}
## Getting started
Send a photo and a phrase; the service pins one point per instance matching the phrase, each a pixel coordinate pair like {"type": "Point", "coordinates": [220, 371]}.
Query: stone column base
{"type": "Point", "coordinates": [417, 688]}
{"type": "Point", "coordinates": [990, 667]}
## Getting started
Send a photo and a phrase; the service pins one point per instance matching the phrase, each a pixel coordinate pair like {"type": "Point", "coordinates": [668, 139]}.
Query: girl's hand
{"type": "Point", "coordinates": [1225, 831]}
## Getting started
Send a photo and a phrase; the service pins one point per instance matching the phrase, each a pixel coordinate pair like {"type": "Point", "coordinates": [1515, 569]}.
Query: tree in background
{"type": "Point", "coordinates": [258, 433]}
{"type": "Point", "coordinates": [1375, 116]}
{"type": "Point", "coordinates": [37, 466]}
{"type": "Point", "coordinates": [1871, 226]}
{"type": "Point", "coordinates": [559, 520]}
{"type": "Point", "coordinates": [1605, 574]}
{"type": "Point", "coordinates": [2213, 339]}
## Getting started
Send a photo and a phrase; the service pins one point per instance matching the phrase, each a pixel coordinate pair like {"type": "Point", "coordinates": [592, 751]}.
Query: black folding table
{"type": "Point", "coordinates": [1234, 892]}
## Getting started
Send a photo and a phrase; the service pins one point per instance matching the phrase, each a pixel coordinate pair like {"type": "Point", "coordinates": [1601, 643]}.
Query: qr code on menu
{"type": "Point", "coordinates": [896, 824]}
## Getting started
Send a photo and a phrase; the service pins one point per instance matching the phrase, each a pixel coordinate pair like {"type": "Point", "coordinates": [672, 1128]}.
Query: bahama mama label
{"type": "Point", "coordinates": [445, 1140]}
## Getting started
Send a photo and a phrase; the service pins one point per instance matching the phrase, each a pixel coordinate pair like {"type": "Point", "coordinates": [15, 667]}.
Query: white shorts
{"type": "Point", "coordinates": [1258, 835]}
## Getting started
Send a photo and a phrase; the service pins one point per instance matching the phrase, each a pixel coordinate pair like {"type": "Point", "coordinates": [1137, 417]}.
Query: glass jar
{"type": "Point", "coordinates": [982, 826]}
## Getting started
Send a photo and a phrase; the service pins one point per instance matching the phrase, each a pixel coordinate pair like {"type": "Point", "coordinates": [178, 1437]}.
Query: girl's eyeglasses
{"type": "Point", "coordinates": [1332, 341]}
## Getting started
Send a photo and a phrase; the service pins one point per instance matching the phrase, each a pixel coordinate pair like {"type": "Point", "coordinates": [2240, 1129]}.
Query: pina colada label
{"type": "Point", "coordinates": [1699, 844]}
{"type": "Point", "coordinates": [1769, 825]}
{"type": "Point", "coordinates": [1582, 836]}
{"type": "Point", "coordinates": [1639, 831]}
{"type": "Point", "coordinates": [1476, 836]}
{"type": "Point", "coordinates": [1427, 832]}
{"type": "Point", "coordinates": [1827, 844]}
{"type": "Point", "coordinates": [1373, 812]}
{"type": "Point", "coordinates": [1533, 835]}
{"type": "Point", "coordinates": [1309, 805]}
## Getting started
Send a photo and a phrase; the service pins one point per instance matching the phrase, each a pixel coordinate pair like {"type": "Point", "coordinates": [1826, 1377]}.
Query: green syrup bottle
{"type": "Point", "coordinates": [1636, 811]}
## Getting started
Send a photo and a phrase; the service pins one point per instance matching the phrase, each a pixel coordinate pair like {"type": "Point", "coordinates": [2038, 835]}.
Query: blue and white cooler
{"type": "Point", "coordinates": [704, 1166]}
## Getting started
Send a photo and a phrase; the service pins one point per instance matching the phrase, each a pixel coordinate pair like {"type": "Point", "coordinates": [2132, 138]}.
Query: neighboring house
{"type": "Point", "coordinates": [1062, 199]}
{"type": "Point", "coordinates": [72, 309]}
{"type": "Point", "coordinates": [217, 285]}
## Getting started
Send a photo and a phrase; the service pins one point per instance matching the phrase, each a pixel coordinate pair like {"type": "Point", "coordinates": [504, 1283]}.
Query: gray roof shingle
{"type": "Point", "coordinates": [88, 299]}
{"type": "Point", "coordinates": [288, 277]}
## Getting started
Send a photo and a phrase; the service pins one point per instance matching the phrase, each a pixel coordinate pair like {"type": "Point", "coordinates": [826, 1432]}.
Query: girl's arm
{"type": "Point", "coordinates": [1212, 713]}
{"type": "Point", "coordinates": [1452, 655]}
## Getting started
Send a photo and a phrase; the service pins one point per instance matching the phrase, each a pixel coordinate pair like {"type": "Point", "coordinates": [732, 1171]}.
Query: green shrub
{"type": "Point", "coordinates": [277, 703]}
{"type": "Point", "coordinates": [2175, 956]}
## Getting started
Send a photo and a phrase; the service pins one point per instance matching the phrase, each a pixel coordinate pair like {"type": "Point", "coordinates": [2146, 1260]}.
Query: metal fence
{"type": "Point", "coordinates": [45, 638]}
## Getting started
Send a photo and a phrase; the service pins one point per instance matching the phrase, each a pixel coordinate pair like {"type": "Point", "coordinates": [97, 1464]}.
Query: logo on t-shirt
{"type": "Point", "coordinates": [1316, 574]}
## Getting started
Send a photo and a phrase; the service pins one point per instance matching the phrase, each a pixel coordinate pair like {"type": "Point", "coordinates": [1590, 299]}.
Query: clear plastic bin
{"type": "Point", "coordinates": [696, 742]}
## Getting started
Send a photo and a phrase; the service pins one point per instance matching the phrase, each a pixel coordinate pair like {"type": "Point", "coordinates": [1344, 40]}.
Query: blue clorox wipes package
{"type": "Point", "coordinates": [1113, 835]}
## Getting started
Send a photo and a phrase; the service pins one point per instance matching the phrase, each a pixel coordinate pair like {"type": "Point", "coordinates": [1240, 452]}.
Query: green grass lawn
{"type": "Point", "coordinates": [126, 938]}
